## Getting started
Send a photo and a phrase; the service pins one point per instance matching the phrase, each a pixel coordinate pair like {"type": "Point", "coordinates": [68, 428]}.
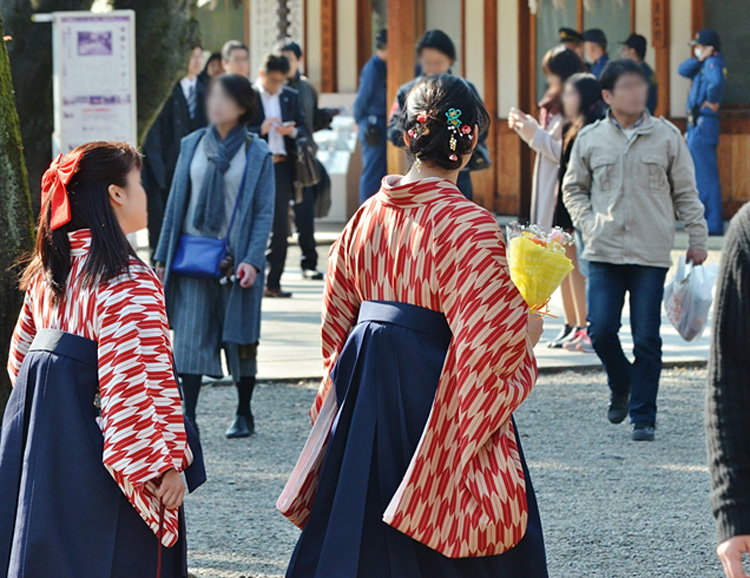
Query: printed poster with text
{"type": "Point", "coordinates": [94, 78]}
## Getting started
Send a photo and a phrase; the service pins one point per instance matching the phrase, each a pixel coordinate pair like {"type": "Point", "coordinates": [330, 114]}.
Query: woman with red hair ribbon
{"type": "Point", "coordinates": [93, 440]}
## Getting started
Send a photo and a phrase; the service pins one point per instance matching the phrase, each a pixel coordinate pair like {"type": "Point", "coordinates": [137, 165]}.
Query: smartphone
{"type": "Point", "coordinates": [288, 123]}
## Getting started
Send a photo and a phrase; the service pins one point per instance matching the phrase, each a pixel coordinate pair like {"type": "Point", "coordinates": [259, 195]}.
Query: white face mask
{"type": "Point", "coordinates": [697, 52]}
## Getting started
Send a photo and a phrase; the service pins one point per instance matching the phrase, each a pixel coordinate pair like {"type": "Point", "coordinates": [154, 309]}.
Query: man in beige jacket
{"type": "Point", "coordinates": [628, 176]}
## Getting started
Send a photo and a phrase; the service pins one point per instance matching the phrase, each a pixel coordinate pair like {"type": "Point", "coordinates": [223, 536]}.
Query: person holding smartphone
{"type": "Point", "coordinates": [279, 119]}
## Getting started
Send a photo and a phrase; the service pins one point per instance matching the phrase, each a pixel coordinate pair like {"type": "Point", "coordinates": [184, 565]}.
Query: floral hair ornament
{"type": "Point", "coordinates": [422, 117]}
{"type": "Point", "coordinates": [455, 126]}
{"type": "Point", "coordinates": [54, 183]}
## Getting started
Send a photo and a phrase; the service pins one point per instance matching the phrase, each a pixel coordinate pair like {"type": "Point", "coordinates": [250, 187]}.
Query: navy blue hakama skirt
{"type": "Point", "coordinates": [385, 382]}
{"type": "Point", "coordinates": [61, 512]}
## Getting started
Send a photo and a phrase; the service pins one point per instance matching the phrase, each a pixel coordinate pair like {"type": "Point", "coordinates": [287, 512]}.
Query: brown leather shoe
{"type": "Point", "coordinates": [276, 292]}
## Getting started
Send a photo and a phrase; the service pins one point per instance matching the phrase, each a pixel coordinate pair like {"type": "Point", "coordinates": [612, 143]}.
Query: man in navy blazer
{"type": "Point", "coordinates": [183, 113]}
{"type": "Point", "coordinates": [280, 121]}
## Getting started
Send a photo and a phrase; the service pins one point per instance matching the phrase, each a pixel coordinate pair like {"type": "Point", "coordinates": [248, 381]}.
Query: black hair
{"type": "Point", "coordinates": [617, 68]}
{"type": "Point", "coordinates": [591, 107]}
{"type": "Point", "coordinates": [239, 89]}
{"type": "Point", "coordinates": [288, 45]}
{"type": "Point", "coordinates": [438, 40]}
{"type": "Point", "coordinates": [640, 51]}
{"type": "Point", "coordinates": [102, 164]}
{"type": "Point", "coordinates": [275, 63]}
{"type": "Point", "coordinates": [229, 46]}
{"type": "Point", "coordinates": [381, 41]}
{"type": "Point", "coordinates": [433, 97]}
{"type": "Point", "coordinates": [562, 62]}
{"type": "Point", "coordinates": [215, 57]}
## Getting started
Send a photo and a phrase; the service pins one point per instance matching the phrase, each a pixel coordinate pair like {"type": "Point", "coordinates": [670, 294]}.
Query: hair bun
{"type": "Point", "coordinates": [440, 116]}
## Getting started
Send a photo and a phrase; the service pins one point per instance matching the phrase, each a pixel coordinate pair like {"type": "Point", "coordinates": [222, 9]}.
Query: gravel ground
{"type": "Point", "coordinates": [610, 507]}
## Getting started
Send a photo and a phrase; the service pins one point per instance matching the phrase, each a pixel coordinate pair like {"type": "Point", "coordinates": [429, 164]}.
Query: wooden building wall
{"type": "Point", "coordinates": [498, 53]}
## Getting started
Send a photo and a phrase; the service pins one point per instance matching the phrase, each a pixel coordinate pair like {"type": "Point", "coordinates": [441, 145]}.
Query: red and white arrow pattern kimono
{"type": "Point", "coordinates": [141, 412]}
{"type": "Point", "coordinates": [424, 244]}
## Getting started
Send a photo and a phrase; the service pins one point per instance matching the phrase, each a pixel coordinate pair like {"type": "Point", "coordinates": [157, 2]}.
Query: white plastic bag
{"type": "Point", "coordinates": [687, 298]}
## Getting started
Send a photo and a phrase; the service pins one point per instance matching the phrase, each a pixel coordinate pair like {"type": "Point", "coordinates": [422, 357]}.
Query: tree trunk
{"type": "Point", "coordinates": [16, 226]}
{"type": "Point", "coordinates": [31, 67]}
{"type": "Point", "coordinates": [165, 30]}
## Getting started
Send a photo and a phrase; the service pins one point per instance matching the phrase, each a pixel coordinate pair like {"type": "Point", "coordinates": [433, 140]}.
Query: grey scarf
{"type": "Point", "coordinates": [209, 212]}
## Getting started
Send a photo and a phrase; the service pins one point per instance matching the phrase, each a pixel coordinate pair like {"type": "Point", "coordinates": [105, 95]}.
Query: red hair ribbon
{"type": "Point", "coordinates": [54, 188]}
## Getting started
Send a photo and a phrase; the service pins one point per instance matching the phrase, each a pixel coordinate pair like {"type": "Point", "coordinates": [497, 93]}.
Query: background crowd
{"type": "Point", "coordinates": [232, 157]}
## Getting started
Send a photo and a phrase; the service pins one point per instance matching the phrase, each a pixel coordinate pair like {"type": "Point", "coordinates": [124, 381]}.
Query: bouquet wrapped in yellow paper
{"type": "Point", "coordinates": [537, 262]}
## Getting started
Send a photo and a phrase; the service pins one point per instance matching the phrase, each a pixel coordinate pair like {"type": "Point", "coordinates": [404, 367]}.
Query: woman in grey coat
{"type": "Point", "coordinates": [208, 315]}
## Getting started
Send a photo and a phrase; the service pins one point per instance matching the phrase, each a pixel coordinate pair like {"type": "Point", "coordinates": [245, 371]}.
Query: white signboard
{"type": "Point", "coordinates": [94, 78]}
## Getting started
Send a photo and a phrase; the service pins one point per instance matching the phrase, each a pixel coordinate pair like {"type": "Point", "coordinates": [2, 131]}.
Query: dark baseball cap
{"type": "Point", "coordinates": [706, 38]}
{"type": "Point", "coordinates": [570, 35]}
{"type": "Point", "coordinates": [596, 36]}
{"type": "Point", "coordinates": [637, 43]}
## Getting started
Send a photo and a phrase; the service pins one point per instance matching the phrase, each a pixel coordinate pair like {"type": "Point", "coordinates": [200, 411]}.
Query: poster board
{"type": "Point", "coordinates": [94, 84]}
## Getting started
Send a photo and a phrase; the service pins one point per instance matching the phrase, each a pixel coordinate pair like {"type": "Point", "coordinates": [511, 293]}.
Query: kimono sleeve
{"type": "Point", "coordinates": [492, 364]}
{"type": "Point", "coordinates": [340, 309]}
{"type": "Point", "coordinates": [22, 337]}
{"type": "Point", "coordinates": [143, 427]}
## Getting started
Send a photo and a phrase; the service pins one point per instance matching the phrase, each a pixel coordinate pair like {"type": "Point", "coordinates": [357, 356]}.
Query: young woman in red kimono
{"type": "Point", "coordinates": [414, 467]}
{"type": "Point", "coordinates": [93, 439]}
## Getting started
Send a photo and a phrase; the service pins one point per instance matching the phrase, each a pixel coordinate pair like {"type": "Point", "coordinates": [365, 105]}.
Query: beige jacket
{"type": "Point", "coordinates": [623, 195]}
{"type": "Point", "coordinates": [547, 143]}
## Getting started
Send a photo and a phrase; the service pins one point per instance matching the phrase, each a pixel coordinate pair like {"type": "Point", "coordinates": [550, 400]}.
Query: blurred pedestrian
{"type": "Point", "coordinates": [235, 58]}
{"type": "Point", "coordinates": [436, 54]}
{"type": "Point", "coordinates": [417, 403]}
{"type": "Point", "coordinates": [572, 39]}
{"type": "Point", "coordinates": [370, 115]}
{"type": "Point", "coordinates": [223, 188]}
{"type": "Point", "coordinates": [315, 119]}
{"type": "Point", "coordinates": [93, 441]}
{"type": "Point", "coordinates": [634, 48]}
{"type": "Point", "coordinates": [545, 136]}
{"type": "Point", "coordinates": [279, 120]}
{"type": "Point", "coordinates": [727, 426]}
{"type": "Point", "coordinates": [213, 67]}
{"type": "Point", "coordinates": [183, 113]}
{"type": "Point", "coordinates": [628, 175]}
{"type": "Point", "coordinates": [595, 50]}
{"type": "Point", "coordinates": [582, 105]}
{"type": "Point", "coordinates": [707, 70]}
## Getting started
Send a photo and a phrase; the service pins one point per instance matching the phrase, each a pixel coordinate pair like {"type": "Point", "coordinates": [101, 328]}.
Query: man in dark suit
{"type": "Point", "coordinates": [280, 120]}
{"type": "Point", "coordinates": [183, 113]}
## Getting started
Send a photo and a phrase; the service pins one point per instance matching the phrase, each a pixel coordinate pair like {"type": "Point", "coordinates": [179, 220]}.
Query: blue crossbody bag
{"type": "Point", "coordinates": [199, 256]}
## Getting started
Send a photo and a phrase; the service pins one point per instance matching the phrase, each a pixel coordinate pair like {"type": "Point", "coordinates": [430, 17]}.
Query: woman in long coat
{"type": "Point", "coordinates": [545, 135]}
{"type": "Point", "coordinates": [414, 467]}
{"type": "Point", "coordinates": [208, 315]}
{"type": "Point", "coordinates": [545, 138]}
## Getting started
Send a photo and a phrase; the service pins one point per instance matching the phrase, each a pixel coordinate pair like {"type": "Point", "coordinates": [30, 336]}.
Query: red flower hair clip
{"type": "Point", "coordinates": [466, 129]}
{"type": "Point", "coordinates": [54, 188]}
{"type": "Point", "coordinates": [422, 117]}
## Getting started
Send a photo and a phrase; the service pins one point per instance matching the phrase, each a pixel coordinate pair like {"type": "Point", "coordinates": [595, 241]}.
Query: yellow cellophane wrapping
{"type": "Point", "coordinates": [536, 270]}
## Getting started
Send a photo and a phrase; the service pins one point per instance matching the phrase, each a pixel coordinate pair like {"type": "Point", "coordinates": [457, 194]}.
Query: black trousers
{"type": "Point", "coordinates": [156, 200]}
{"type": "Point", "coordinates": [304, 220]}
{"type": "Point", "coordinates": [276, 256]}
